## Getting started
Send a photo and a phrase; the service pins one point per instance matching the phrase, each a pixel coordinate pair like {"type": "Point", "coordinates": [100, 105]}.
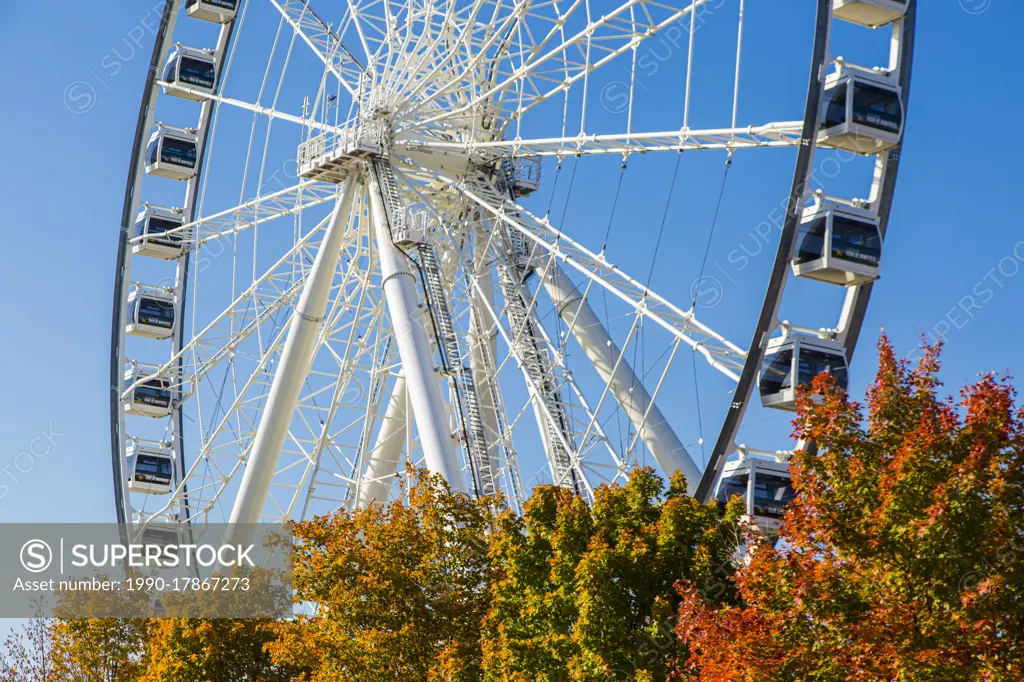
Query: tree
{"type": "Point", "coordinates": [99, 649]}
{"type": "Point", "coordinates": [214, 648]}
{"type": "Point", "coordinates": [211, 650]}
{"type": "Point", "coordinates": [902, 553]}
{"type": "Point", "coordinates": [586, 593]}
{"type": "Point", "coordinates": [27, 654]}
{"type": "Point", "coordinates": [400, 590]}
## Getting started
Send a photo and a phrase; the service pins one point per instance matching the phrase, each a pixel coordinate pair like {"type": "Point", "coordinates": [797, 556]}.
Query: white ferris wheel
{"type": "Point", "coordinates": [346, 246]}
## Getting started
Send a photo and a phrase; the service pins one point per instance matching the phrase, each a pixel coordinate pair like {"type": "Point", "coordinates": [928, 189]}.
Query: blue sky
{"type": "Point", "coordinates": [68, 121]}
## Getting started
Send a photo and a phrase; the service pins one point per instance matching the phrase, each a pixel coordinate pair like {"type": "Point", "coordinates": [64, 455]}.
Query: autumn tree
{"type": "Point", "coordinates": [399, 590]}
{"type": "Point", "coordinates": [211, 650]}
{"type": "Point", "coordinates": [586, 592]}
{"type": "Point", "coordinates": [902, 553]}
{"type": "Point", "coordinates": [184, 648]}
{"type": "Point", "coordinates": [99, 649]}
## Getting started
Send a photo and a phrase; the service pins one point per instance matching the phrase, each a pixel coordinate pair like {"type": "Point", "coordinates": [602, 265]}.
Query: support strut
{"type": "Point", "coordinates": [624, 384]}
{"type": "Point", "coordinates": [293, 367]}
{"type": "Point", "coordinates": [422, 382]}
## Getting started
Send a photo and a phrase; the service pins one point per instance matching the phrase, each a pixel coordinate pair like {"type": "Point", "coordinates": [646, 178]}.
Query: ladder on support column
{"type": "Point", "coordinates": [528, 348]}
{"type": "Point", "coordinates": [467, 403]}
{"type": "Point", "coordinates": [527, 343]}
{"type": "Point", "coordinates": [502, 435]}
{"type": "Point", "coordinates": [472, 423]}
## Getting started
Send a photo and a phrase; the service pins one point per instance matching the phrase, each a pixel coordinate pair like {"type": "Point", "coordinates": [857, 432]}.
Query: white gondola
{"type": "Point", "coordinates": [155, 227]}
{"type": "Point", "coordinates": [151, 313]}
{"type": "Point", "coordinates": [862, 111]}
{"type": "Point", "coordinates": [838, 244]}
{"type": "Point", "coordinates": [152, 397]}
{"type": "Point", "coordinates": [172, 153]}
{"type": "Point", "coordinates": [764, 485]}
{"type": "Point", "coordinates": [193, 69]}
{"type": "Point", "coordinates": [161, 535]}
{"type": "Point", "coordinates": [150, 469]}
{"type": "Point", "coordinates": [792, 361]}
{"type": "Point", "coordinates": [869, 13]}
{"type": "Point", "coordinates": [217, 11]}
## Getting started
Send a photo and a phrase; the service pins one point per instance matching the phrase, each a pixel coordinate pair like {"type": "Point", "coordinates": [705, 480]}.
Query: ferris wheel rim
{"type": "Point", "coordinates": [768, 320]}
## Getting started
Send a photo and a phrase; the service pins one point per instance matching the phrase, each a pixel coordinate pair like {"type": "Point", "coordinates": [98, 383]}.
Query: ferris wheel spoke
{"type": "Point", "coordinates": [251, 310]}
{"type": "Point", "coordinates": [437, 84]}
{"type": "Point", "coordinates": [611, 35]}
{"type": "Point", "coordinates": [230, 222]}
{"type": "Point", "coordinates": [272, 113]}
{"type": "Point", "coordinates": [325, 44]}
{"type": "Point", "coordinates": [543, 237]}
{"type": "Point", "coordinates": [783, 134]}
{"type": "Point", "coordinates": [621, 382]}
{"type": "Point", "coordinates": [504, 41]}
{"type": "Point", "coordinates": [300, 450]}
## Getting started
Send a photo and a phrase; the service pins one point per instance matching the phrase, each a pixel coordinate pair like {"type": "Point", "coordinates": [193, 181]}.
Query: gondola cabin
{"type": "Point", "coordinates": [172, 153]}
{"type": "Point", "coordinates": [190, 74]}
{"type": "Point", "coordinates": [838, 244]}
{"type": "Point", "coordinates": [156, 534]}
{"type": "Point", "coordinates": [162, 535]}
{"type": "Point", "coordinates": [869, 13]}
{"type": "Point", "coordinates": [157, 233]}
{"type": "Point", "coordinates": [151, 313]}
{"type": "Point", "coordinates": [150, 469]}
{"type": "Point", "coordinates": [764, 485]}
{"type": "Point", "coordinates": [149, 397]}
{"type": "Point", "coordinates": [862, 111]}
{"type": "Point", "coordinates": [217, 11]}
{"type": "Point", "coordinates": [793, 360]}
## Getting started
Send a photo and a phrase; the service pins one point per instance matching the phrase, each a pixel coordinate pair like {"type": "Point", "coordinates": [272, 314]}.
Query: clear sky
{"type": "Point", "coordinates": [63, 160]}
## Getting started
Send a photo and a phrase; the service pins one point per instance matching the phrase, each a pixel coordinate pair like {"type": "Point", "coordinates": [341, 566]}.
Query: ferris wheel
{"type": "Point", "coordinates": [347, 247]}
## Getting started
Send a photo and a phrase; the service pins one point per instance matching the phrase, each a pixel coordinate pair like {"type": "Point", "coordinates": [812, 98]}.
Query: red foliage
{"type": "Point", "coordinates": [902, 556]}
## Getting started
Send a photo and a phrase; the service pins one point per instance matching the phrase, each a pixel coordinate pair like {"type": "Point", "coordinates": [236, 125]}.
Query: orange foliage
{"type": "Point", "coordinates": [901, 556]}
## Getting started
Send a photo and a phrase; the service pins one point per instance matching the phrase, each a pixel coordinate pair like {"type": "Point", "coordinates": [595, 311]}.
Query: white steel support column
{"type": "Point", "coordinates": [422, 381]}
{"type": "Point", "coordinates": [387, 450]}
{"type": "Point", "coordinates": [623, 382]}
{"type": "Point", "coordinates": [292, 368]}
